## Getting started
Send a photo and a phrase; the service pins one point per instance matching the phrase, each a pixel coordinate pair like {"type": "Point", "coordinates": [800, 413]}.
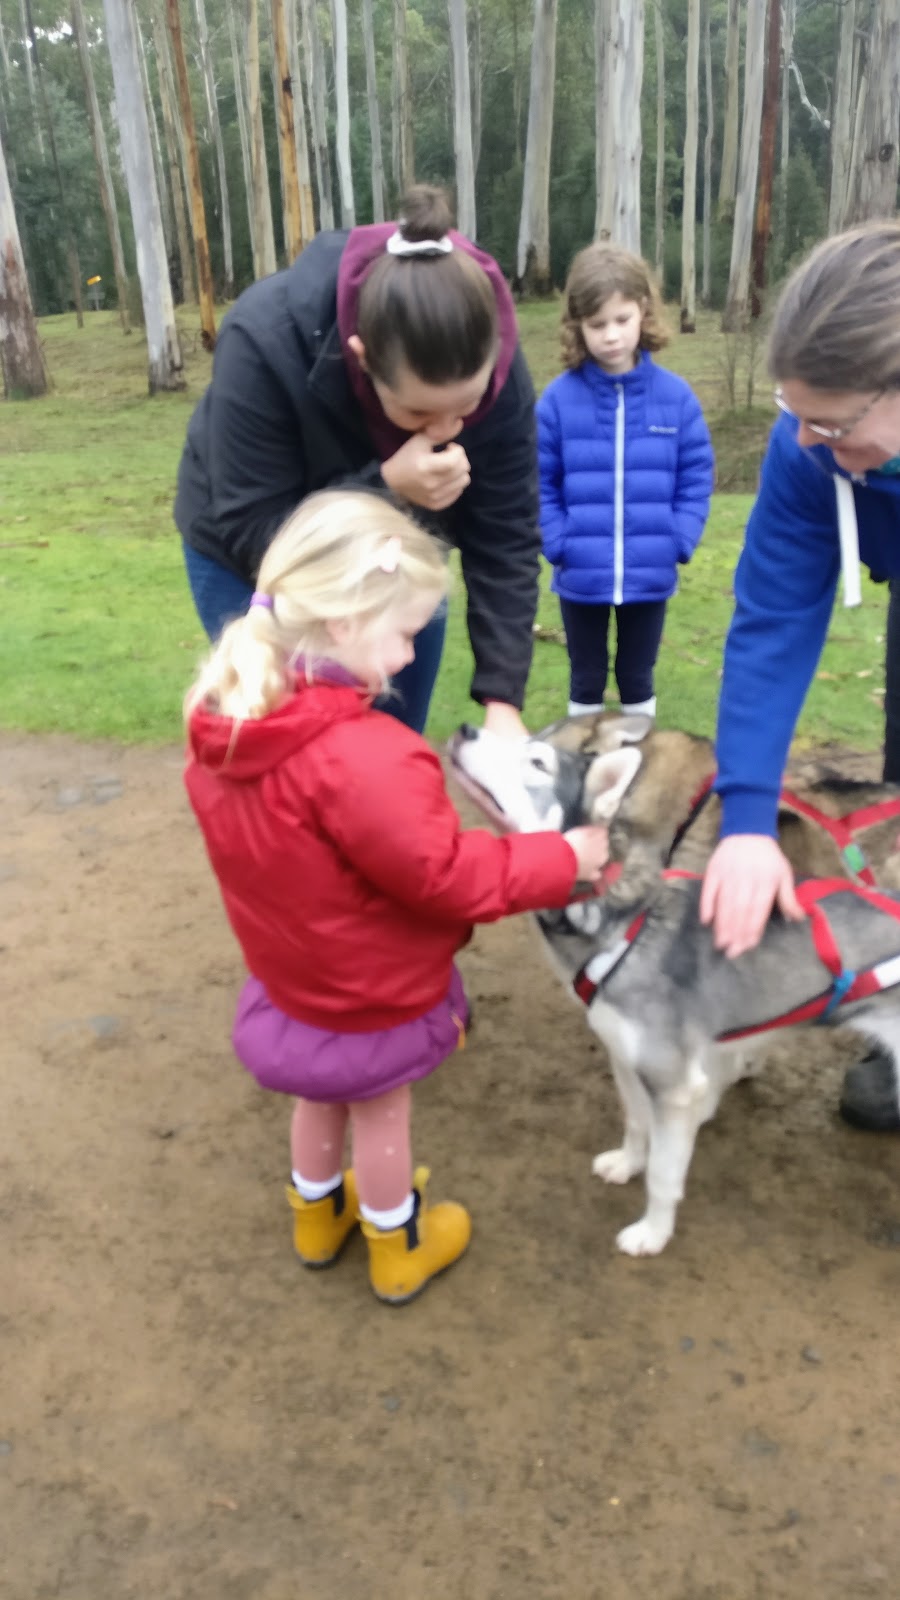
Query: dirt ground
{"type": "Point", "coordinates": [186, 1414]}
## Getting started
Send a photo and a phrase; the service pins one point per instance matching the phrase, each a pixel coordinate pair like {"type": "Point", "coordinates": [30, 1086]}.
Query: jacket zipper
{"type": "Point", "coordinates": [619, 504]}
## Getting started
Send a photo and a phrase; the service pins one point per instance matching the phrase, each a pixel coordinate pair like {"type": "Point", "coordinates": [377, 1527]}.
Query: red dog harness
{"type": "Point", "coordinates": [847, 985]}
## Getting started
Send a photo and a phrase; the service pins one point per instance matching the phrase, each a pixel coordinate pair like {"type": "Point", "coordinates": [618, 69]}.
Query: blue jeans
{"type": "Point", "coordinates": [220, 596]}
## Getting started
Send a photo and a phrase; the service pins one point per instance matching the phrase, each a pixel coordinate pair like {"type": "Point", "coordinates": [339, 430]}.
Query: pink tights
{"type": "Point", "coordinates": [382, 1158]}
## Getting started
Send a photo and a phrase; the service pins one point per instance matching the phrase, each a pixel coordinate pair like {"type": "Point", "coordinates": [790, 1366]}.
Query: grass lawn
{"type": "Point", "coordinates": [100, 638]}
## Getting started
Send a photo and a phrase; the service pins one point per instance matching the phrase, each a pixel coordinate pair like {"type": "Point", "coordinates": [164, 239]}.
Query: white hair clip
{"type": "Point", "coordinates": [398, 246]}
{"type": "Point", "coordinates": [389, 555]}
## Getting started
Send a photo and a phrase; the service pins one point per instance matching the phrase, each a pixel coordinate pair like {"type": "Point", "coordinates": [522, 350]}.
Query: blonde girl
{"type": "Point", "coordinates": [345, 874]}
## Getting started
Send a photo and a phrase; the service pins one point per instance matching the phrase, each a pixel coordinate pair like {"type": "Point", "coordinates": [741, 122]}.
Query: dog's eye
{"type": "Point", "coordinates": [540, 764]}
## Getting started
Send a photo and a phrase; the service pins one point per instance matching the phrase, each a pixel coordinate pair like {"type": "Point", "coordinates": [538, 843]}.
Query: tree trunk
{"type": "Point", "coordinates": [22, 363]}
{"type": "Point", "coordinates": [158, 167]}
{"type": "Point", "coordinates": [164, 350]}
{"type": "Point", "coordinates": [342, 119]}
{"type": "Point", "coordinates": [307, 210]}
{"type": "Point", "coordinates": [71, 245]}
{"type": "Point", "coordinates": [314, 56]}
{"type": "Point", "coordinates": [737, 302]}
{"type": "Point", "coordinates": [476, 76]}
{"type": "Point", "coordinates": [29, 74]}
{"type": "Point", "coordinates": [198, 212]}
{"type": "Point", "coordinates": [402, 151]}
{"type": "Point", "coordinates": [374, 113]}
{"type": "Point", "coordinates": [462, 120]}
{"type": "Point", "coordinates": [240, 93]}
{"type": "Point", "coordinates": [215, 128]}
{"type": "Point", "coordinates": [874, 183]}
{"type": "Point", "coordinates": [787, 36]}
{"type": "Point", "coordinates": [263, 234]}
{"type": "Point", "coordinates": [533, 252]}
{"type": "Point", "coordinates": [689, 180]}
{"type": "Point", "coordinates": [618, 75]}
{"type": "Point", "coordinates": [101, 158]}
{"type": "Point", "coordinates": [762, 230]}
{"type": "Point", "coordinates": [706, 280]}
{"type": "Point", "coordinates": [171, 131]}
{"type": "Point", "coordinates": [287, 139]}
{"type": "Point", "coordinates": [728, 174]}
{"type": "Point", "coordinates": [842, 122]}
{"type": "Point", "coordinates": [659, 202]}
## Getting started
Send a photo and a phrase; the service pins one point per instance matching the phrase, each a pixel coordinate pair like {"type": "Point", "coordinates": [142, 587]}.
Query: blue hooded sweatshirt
{"type": "Point", "coordinates": [626, 468]}
{"type": "Point", "coordinates": [810, 520]}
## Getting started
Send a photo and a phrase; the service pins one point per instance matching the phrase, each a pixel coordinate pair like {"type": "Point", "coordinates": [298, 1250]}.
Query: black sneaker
{"type": "Point", "coordinates": [870, 1097]}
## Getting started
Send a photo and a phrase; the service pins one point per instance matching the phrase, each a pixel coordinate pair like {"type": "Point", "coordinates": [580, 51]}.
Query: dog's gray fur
{"type": "Point", "coordinates": [660, 1011]}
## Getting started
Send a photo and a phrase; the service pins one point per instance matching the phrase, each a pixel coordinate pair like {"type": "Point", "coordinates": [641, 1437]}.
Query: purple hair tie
{"type": "Point", "coordinates": [266, 600]}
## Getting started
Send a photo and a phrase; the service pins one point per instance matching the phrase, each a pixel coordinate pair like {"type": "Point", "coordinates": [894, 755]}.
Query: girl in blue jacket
{"type": "Point", "coordinates": [626, 472]}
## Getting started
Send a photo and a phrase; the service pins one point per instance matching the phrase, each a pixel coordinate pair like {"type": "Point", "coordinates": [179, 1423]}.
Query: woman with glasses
{"type": "Point", "coordinates": [829, 497]}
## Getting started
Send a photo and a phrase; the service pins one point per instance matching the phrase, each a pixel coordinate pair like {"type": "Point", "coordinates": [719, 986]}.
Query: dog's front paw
{"type": "Point", "coordinates": [643, 1239]}
{"type": "Point", "coordinates": [617, 1166]}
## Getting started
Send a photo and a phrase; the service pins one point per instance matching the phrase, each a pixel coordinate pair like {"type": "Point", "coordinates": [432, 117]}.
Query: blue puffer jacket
{"type": "Point", "coordinates": [626, 468]}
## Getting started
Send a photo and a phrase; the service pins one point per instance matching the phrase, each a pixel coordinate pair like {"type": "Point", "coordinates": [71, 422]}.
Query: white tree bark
{"type": "Point", "coordinates": [264, 263]}
{"type": "Point", "coordinates": [533, 251]}
{"type": "Point", "coordinates": [402, 148]}
{"type": "Point", "coordinates": [728, 173]}
{"type": "Point", "coordinates": [476, 76]}
{"type": "Point", "coordinates": [215, 128]}
{"type": "Point", "coordinates": [374, 113]}
{"type": "Point", "coordinates": [842, 121]}
{"type": "Point", "coordinates": [342, 119]}
{"type": "Point", "coordinates": [689, 180]}
{"type": "Point", "coordinates": [163, 347]}
{"type": "Point", "coordinates": [21, 360]}
{"type": "Point", "coordinates": [738, 298]}
{"type": "Point", "coordinates": [462, 119]}
{"type": "Point", "coordinates": [173, 137]}
{"type": "Point", "coordinates": [240, 93]}
{"type": "Point", "coordinates": [874, 179]}
{"type": "Point", "coordinates": [659, 203]}
{"type": "Point", "coordinates": [314, 57]}
{"type": "Point", "coordinates": [618, 78]}
{"type": "Point", "coordinates": [101, 158]}
{"type": "Point", "coordinates": [159, 168]}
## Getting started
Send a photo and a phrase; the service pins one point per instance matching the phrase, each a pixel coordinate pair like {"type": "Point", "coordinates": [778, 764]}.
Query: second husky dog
{"type": "Point", "coordinates": [674, 1014]}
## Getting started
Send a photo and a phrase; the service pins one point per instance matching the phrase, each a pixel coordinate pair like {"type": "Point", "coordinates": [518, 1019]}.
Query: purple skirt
{"type": "Point", "coordinates": [294, 1058]}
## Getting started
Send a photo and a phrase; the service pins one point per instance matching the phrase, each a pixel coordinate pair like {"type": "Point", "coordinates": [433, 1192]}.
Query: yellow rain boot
{"type": "Point", "coordinates": [405, 1259]}
{"type": "Point", "coordinates": [322, 1227]}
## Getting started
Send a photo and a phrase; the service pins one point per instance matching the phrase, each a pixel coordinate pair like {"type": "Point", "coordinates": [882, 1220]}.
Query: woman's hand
{"type": "Point", "coordinates": [504, 720]}
{"type": "Point", "coordinates": [433, 479]}
{"type": "Point", "coordinates": [591, 846]}
{"type": "Point", "coordinates": [747, 875]}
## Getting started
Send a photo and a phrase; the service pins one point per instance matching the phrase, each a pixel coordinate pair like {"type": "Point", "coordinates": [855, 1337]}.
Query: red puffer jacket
{"type": "Point", "coordinates": [345, 873]}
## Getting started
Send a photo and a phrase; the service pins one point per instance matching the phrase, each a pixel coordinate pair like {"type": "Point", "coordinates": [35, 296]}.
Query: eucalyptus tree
{"type": "Point", "coordinates": [21, 360]}
{"type": "Point", "coordinates": [164, 350]}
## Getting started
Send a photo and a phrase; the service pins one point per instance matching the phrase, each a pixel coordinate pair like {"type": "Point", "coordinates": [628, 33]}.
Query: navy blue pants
{"type": "Point", "coordinates": [638, 633]}
{"type": "Point", "coordinates": [892, 688]}
{"type": "Point", "coordinates": [220, 596]}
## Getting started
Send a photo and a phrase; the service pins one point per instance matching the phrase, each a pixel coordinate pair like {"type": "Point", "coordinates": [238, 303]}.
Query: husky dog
{"type": "Point", "coordinates": [663, 1003]}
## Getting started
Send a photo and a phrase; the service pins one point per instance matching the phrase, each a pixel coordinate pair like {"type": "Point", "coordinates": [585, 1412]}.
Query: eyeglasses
{"type": "Point", "coordinates": [832, 435]}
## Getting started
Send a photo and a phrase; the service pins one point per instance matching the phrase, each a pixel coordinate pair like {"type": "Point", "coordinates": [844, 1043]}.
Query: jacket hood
{"type": "Point", "coordinates": [242, 751]}
{"type": "Point", "coordinates": [364, 247]}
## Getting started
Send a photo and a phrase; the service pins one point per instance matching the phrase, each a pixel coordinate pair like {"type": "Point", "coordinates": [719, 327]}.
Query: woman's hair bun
{"type": "Point", "coordinates": [424, 214]}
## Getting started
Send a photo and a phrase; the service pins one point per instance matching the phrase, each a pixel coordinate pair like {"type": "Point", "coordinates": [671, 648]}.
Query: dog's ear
{"type": "Point", "coordinates": [629, 729]}
{"type": "Point", "coordinates": [607, 779]}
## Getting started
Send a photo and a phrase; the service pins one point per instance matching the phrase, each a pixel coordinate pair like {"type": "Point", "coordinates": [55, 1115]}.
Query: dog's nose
{"type": "Point", "coordinates": [466, 731]}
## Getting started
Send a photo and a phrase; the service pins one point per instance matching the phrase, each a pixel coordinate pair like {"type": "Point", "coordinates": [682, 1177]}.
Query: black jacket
{"type": "Point", "coordinates": [280, 420]}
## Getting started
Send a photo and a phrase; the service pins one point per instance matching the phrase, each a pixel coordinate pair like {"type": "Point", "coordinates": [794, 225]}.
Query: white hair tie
{"type": "Point", "coordinates": [398, 246]}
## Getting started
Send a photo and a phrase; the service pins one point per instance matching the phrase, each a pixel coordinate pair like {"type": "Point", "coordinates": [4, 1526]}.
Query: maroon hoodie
{"type": "Point", "coordinates": [363, 248]}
